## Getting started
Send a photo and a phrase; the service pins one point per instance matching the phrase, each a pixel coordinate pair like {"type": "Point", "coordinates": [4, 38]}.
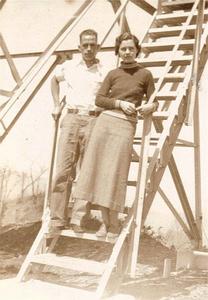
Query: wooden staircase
{"type": "Point", "coordinates": [169, 50]}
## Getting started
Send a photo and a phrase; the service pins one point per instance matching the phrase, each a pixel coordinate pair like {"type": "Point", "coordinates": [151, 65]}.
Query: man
{"type": "Point", "coordinates": [83, 79]}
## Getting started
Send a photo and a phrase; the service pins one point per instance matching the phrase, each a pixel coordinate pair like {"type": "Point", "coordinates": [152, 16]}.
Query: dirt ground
{"type": "Point", "coordinates": [148, 284]}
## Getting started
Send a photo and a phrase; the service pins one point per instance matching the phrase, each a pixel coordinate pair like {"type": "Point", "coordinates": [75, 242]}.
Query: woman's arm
{"type": "Point", "coordinates": [103, 100]}
{"type": "Point", "coordinates": [148, 107]}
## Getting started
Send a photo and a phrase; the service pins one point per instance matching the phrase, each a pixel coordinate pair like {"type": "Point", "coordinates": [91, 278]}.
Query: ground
{"type": "Point", "coordinates": [149, 283]}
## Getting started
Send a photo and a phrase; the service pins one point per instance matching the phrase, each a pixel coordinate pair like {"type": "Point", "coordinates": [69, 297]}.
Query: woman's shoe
{"type": "Point", "coordinates": [102, 232]}
{"type": "Point", "coordinates": [112, 236]}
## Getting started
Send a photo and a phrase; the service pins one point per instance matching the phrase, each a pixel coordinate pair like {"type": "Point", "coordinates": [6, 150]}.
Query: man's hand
{"type": "Point", "coordinates": [127, 107]}
{"type": "Point", "coordinates": [146, 109]}
{"type": "Point", "coordinates": [57, 112]}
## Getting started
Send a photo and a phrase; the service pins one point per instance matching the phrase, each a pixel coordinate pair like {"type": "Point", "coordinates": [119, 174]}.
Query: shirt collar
{"type": "Point", "coordinates": [81, 62]}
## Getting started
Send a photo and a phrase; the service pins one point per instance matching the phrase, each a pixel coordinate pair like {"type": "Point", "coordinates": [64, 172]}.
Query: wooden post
{"type": "Point", "coordinates": [167, 268]}
{"type": "Point", "coordinates": [140, 193]}
{"type": "Point", "coordinates": [197, 166]}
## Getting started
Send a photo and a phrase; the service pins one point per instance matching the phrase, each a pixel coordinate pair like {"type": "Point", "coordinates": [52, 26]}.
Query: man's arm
{"type": "Point", "coordinates": [55, 90]}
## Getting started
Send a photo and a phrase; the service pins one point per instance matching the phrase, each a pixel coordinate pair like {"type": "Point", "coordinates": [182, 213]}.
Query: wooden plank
{"type": "Point", "coordinates": [167, 46]}
{"type": "Point", "coordinates": [166, 96]}
{"type": "Point", "coordinates": [179, 4]}
{"type": "Point", "coordinates": [172, 77]}
{"type": "Point", "coordinates": [86, 236]}
{"type": "Point", "coordinates": [70, 263]}
{"type": "Point", "coordinates": [159, 62]}
{"type": "Point", "coordinates": [145, 6]}
{"type": "Point", "coordinates": [159, 32]}
{"type": "Point", "coordinates": [177, 17]}
{"type": "Point", "coordinates": [68, 53]}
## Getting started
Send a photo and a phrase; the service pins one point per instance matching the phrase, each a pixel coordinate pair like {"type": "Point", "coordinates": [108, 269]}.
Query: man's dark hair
{"type": "Point", "coordinates": [88, 32]}
{"type": "Point", "coordinates": [126, 36]}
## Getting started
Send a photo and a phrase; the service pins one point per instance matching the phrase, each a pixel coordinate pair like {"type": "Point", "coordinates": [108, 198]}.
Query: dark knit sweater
{"type": "Point", "coordinates": [125, 84]}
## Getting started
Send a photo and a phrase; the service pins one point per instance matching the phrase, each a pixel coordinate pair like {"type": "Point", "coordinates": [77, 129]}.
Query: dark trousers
{"type": "Point", "coordinates": [75, 131]}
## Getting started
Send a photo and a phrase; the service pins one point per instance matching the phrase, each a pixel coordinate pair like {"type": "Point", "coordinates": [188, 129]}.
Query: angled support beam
{"type": "Point", "coordinates": [24, 102]}
{"type": "Point", "coordinates": [145, 6]}
{"type": "Point", "coordinates": [184, 199]}
{"type": "Point", "coordinates": [6, 93]}
{"type": "Point", "coordinates": [2, 2]}
{"type": "Point", "coordinates": [175, 213]}
{"type": "Point", "coordinates": [116, 4]}
{"type": "Point", "coordinates": [12, 67]}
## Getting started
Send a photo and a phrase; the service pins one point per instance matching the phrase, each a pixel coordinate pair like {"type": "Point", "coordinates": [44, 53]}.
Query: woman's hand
{"type": "Point", "coordinates": [127, 107]}
{"type": "Point", "coordinates": [146, 109]}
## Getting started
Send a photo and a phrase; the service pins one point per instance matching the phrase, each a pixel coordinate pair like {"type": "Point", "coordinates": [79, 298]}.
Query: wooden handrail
{"type": "Point", "coordinates": [193, 87]}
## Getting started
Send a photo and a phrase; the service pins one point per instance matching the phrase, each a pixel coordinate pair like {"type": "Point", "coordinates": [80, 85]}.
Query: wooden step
{"type": "Point", "coordinates": [176, 17]}
{"type": "Point", "coordinates": [179, 4]}
{"type": "Point", "coordinates": [159, 62]}
{"type": "Point", "coordinates": [167, 46]}
{"type": "Point", "coordinates": [159, 32]}
{"type": "Point", "coordinates": [172, 77]}
{"type": "Point", "coordinates": [157, 115]}
{"type": "Point", "coordinates": [166, 96]}
{"type": "Point", "coordinates": [85, 235]}
{"type": "Point", "coordinates": [71, 263]}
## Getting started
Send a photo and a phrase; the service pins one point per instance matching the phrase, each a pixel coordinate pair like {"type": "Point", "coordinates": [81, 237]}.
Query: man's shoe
{"type": "Point", "coordinates": [102, 232]}
{"type": "Point", "coordinates": [77, 228]}
{"type": "Point", "coordinates": [55, 229]}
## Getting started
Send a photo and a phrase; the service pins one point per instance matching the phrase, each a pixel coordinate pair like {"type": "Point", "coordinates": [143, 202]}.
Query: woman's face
{"type": "Point", "coordinates": [127, 51]}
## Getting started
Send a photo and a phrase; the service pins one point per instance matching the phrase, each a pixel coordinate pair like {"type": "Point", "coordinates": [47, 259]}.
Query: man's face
{"type": "Point", "coordinates": [88, 47]}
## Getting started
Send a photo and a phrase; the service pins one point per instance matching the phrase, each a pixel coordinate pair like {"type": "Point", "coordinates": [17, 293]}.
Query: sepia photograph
{"type": "Point", "coordinates": [103, 149]}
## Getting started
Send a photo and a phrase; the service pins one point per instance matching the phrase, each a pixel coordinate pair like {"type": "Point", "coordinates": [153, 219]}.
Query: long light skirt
{"type": "Point", "coordinates": [104, 172]}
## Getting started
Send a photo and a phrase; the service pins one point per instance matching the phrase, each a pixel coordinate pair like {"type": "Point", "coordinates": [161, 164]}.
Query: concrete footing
{"type": "Point", "coordinates": [192, 259]}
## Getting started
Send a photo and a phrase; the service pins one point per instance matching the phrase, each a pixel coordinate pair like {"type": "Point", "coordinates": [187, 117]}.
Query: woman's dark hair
{"type": "Point", "coordinates": [126, 36]}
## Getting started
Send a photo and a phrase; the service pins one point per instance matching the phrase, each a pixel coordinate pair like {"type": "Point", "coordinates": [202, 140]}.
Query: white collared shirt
{"type": "Point", "coordinates": [82, 83]}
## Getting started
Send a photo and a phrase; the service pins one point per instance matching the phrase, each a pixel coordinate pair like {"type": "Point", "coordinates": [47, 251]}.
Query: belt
{"type": "Point", "coordinates": [83, 112]}
{"type": "Point", "coordinates": [120, 115]}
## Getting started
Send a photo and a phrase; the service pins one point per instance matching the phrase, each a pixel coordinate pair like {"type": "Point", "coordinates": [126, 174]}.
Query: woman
{"type": "Point", "coordinates": [104, 172]}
